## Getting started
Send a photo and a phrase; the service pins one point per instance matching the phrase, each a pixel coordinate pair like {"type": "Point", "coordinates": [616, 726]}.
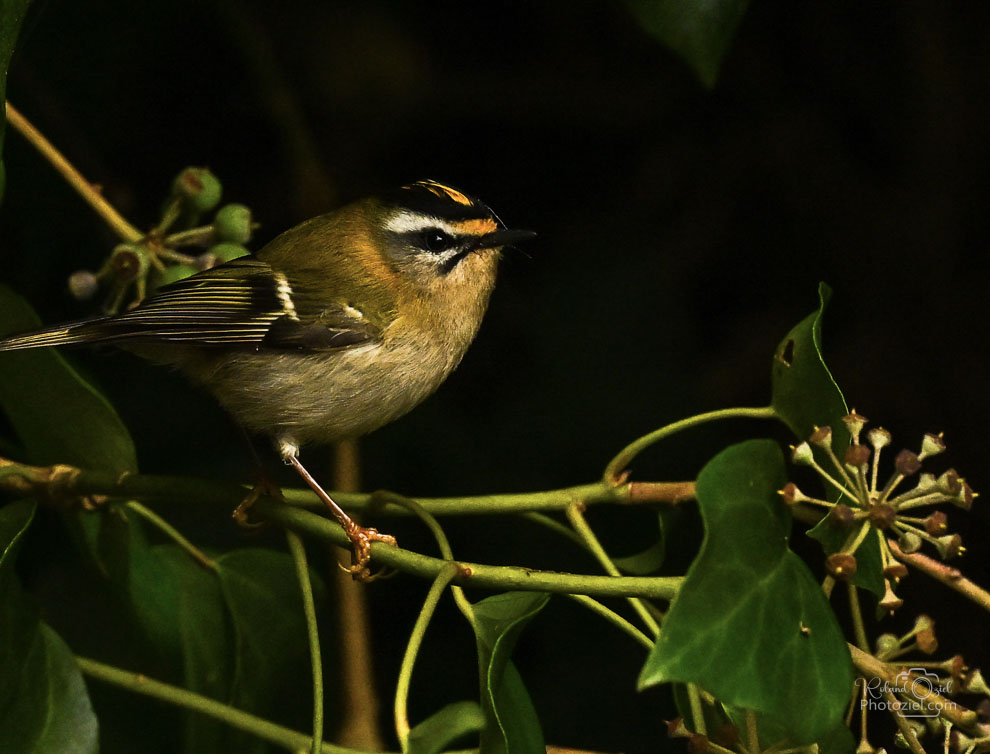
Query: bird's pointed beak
{"type": "Point", "coordinates": [503, 237]}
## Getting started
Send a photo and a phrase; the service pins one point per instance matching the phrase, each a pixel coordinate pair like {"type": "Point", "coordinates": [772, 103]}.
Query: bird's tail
{"type": "Point", "coordinates": [57, 335]}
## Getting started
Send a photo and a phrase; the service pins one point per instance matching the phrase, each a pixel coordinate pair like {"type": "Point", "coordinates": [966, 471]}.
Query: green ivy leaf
{"type": "Point", "coordinates": [805, 395]}
{"type": "Point", "coordinates": [58, 416]}
{"type": "Point", "coordinates": [264, 604]}
{"type": "Point", "coordinates": [699, 31]}
{"type": "Point", "coordinates": [211, 627]}
{"type": "Point", "coordinates": [511, 723]}
{"type": "Point", "coordinates": [44, 706]}
{"type": "Point", "coordinates": [444, 727]}
{"type": "Point", "coordinates": [12, 14]}
{"type": "Point", "coordinates": [750, 624]}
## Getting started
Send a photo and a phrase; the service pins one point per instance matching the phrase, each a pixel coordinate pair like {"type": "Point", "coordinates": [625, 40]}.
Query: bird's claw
{"type": "Point", "coordinates": [361, 539]}
{"type": "Point", "coordinates": [263, 487]}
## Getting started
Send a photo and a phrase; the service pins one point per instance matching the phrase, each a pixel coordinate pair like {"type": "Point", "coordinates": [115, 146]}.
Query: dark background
{"type": "Point", "coordinates": [682, 233]}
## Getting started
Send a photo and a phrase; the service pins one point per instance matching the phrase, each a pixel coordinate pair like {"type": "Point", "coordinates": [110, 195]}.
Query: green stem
{"type": "Point", "coordinates": [174, 256]}
{"type": "Point", "coordinates": [172, 212]}
{"type": "Point", "coordinates": [555, 526]}
{"type": "Point", "coordinates": [857, 618]}
{"type": "Point", "coordinates": [268, 731]}
{"type": "Point", "coordinates": [613, 617]}
{"type": "Point", "coordinates": [460, 599]}
{"type": "Point", "coordinates": [298, 550]}
{"type": "Point", "coordinates": [625, 456]}
{"type": "Point", "coordinates": [752, 737]}
{"type": "Point", "coordinates": [193, 491]}
{"type": "Point", "coordinates": [440, 583]}
{"type": "Point", "coordinates": [69, 483]}
{"type": "Point", "coordinates": [423, 515]}
{"type": "Point", "coordinates": [576, 517]}
{"type": "Point", "coordinates": [200, 236]}
{"type": "Point", "coordinates": [910, 737]}
{"type": "Point", "coordinates": [697, 711]}
{"type": "Point", "coordinates": [473, 574]}
{"type": "Point", "coordinates": [173, 533]}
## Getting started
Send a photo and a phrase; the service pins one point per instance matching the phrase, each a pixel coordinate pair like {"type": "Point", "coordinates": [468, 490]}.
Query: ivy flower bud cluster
{"type": "Point", "coordinates": [155, 260]}
{"type": "Point", "coordinates": [867, 506]}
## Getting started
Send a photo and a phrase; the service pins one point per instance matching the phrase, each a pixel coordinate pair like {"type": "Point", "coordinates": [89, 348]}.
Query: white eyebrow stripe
{"type": "Point", "coordinates": [412, 222]}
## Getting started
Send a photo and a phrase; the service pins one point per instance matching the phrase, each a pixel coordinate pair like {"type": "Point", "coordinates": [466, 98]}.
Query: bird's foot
{"type": "Point", "coordinates": [264, 486]}
{"type": "Point", "coordinates": [361, 538]}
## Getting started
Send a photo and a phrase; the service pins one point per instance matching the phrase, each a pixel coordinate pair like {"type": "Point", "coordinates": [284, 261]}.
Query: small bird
{"type": "Point", "coordinates": [335, 328]}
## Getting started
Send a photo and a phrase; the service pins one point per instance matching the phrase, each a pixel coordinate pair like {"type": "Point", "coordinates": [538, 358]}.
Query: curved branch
{"type": "Point", "coordinates": [474, 574]}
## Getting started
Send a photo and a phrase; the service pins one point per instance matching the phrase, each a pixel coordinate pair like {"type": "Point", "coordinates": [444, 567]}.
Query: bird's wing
{"type": "Point", "coordinates": [242, 304]}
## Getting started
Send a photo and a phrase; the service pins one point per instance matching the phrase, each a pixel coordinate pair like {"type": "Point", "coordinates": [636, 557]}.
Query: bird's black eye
{"type": "Point", "coordinates": [436, 240]}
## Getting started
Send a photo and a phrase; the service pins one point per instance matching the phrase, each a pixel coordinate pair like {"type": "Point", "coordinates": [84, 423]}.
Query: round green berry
{"type": "Point", "coordinates": [129, 261]}
{"type": "Point", "coordinates": [199, 187]}
{"type": "Point", "coordinates": [232, 223]}
{"type": "Point", "coordinates": [224, 252]}
{"type": "Point", "coordinates": [175, 272]}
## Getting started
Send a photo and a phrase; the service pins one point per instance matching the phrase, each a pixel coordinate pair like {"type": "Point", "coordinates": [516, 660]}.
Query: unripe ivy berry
{"type": "Point", "coordinates": [841, 565]}
{"type": "Point", "coordinates": [949, 546]}
{"type": "Point", "coordinates": [83, 285]}
{"type": "Point", "coordinates": [822, 437]}
{"type": "Point", "coordinates": [199, 187]}
{"type": "Point", "coordinates": [907, 462]}
{"type": "Point", "coordinates": [857, 455]}
{"type": "Point", "coordinates": [909, 542]}
{"type": "Point", "coordinates": [927, 642]}
{"type": "Point", "coordinates": [175, 272]}
{"type": "Point", "coordinates": [965, 497]}
{"type": "Point", "coordinates": [886, 644]}
{"type": "Point", "coordinates": [895, 571]}
{"type": "Point", "coordinates": [224, 252]}
{"type": "Point", "coordinates": [802, 455]}
{"type": "Point", "coordinates": [949, 482]}
{"type": "Point", "coordinates": [842, 515]}
{"type": "Point", "coordinates": [128, 261]}
{"type": "Point", "coordinates": [937, 524]}
{"type": "Point", "coordinates": [232, 223]}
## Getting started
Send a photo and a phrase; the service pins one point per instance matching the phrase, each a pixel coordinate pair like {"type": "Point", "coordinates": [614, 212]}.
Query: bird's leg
{"type": "Point", "coordinates": [361, 537]}
{"type": "Point", "coordinates": [264, 486]}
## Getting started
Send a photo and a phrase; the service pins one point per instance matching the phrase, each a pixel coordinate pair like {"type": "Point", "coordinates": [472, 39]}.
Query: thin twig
{"type": "Point", "coordinates": [951, 577]}
{"type": "Point", "coordinates": [440, 584]}
{"type": "Point", "coordinates": [576, 517]}
{"type": "Point", "coordinates": [614, 618]}
{"type": "Point", "coordinates": [298, 550]}
{"type": "Point", "coordinates": [173, 533]}
{"type": "Point", "coordinates": [895, 674]}
{"type": "Point", "coordinates": [859, 627]}
{"type": "Point", "coordinates": [910, 737]}
{"type": "Point", "coordinates": [615, 467]}
{"type": "Point", "coordinates": [73, 177]}
{"type": "Point", "coordinates": [141, 684]}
